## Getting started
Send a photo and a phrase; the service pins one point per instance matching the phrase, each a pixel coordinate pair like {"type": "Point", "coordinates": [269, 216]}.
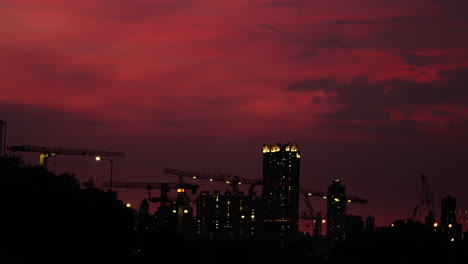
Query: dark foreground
{"type": "Point", "coordinates": [55, 219]}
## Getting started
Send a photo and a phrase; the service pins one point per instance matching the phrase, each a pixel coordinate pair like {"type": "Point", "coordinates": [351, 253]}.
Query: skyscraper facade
{"type": "Point", "coordinates": [336, 210]}
{"type": "Point", "coordinates": [281, 171]}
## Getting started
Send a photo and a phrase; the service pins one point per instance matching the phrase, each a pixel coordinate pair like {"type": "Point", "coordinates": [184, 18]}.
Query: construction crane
{"type": "Point", "coordinates": [316, 217]}
{"type": "Point", "coordinates": [46, 152]}
{"type": "Point", "coordinates": [429, 200]}
{"type": "Point", "coordinates": [232, 180]}
{"type": "Point", "coordinates": [164, 187]}
{"type": "Point", "coordinates": [349, 199]}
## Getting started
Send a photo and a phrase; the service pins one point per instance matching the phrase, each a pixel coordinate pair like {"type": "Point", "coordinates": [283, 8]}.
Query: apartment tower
{"type": "Point", "coordinates": [280, 196]}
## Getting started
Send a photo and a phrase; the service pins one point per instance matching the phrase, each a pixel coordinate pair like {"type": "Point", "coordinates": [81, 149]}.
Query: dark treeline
{"type": "Point", "coordinates": [55, 219]}
{"type": "Point", "coordinates": [404, 242]}
{"type": "Point", "coordinates": [51, 218]}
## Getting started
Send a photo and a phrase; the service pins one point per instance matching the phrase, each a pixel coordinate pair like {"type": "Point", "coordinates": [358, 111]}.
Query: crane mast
{"type": "Point", "coordinates": [428, 199]}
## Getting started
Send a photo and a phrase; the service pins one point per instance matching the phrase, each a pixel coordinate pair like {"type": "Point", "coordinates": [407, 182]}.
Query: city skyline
{"type": "Point", "coordinates": [320, 204]}
{"type": "Point", "coordinates": [372, 92]}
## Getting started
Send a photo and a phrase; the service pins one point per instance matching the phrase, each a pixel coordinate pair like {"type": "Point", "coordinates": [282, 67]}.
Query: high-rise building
{"type": "Point", "coordinates": [448, 221]}
{"type": "Point", "coordinates": [230, 216]}
{"type": "Point", "coordinates": [2, 138]}
{"type": "Point", "coordinates": [177, 216]}
{"type": "Point", "coordinates": [336, 210]}
{"type": "Point", "coordinates": [448, 206]}
{"type": "Point", "coordinates": [280, 197]}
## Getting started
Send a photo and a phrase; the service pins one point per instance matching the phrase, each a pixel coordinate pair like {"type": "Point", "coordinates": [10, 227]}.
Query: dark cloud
{"type": "Point", "coordinates": [31, 124]}
{"type": "Point", "coordinates": [414, 32]}
{"type": "Point", "coordinates": [135, 11]}
{"type": "Point", "coordinates": [291, 3]}
{"type": "Point", "coordinates": [458, 125]}
{"type": "Point", "coordinates": [305, 55]}
{"type": "Point", "coordinates": [421, 60]}
{"type": "Point", "coordinates": [394, 92]}
{"type": "Point", "coordinates": [409, 129]}
{"type": "Point", "coordinates": [310, 85]}
{"type": "Point", "coordinates": [357, 113]}
{"type": "Point", "coordinates": [45, 68]}
{"type": "Point", "coordinates": [366, 108]}
{"type": "Point", "coordinates": [331, 42]}
{"type": "Point", "coordinates": [381, 21]}
{"type": "Point", "coordinates": [277, 30]}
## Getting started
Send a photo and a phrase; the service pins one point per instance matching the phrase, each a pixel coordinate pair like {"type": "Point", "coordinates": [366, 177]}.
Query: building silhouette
{"type": "Point", "coordinates": [2, 138]}
{"type": "Point", "coordinates": [353, 226]}
{"type": "Point", "coordinates": [231, 216]}
{"type": "Point", "coordinates": [280, 197]}
{"type": "Point", "coordinates": [336, 209]}
{"type": "Point", "coordinates": [448, 221]}
{"type": "Point", "coordinates": [370, 223]}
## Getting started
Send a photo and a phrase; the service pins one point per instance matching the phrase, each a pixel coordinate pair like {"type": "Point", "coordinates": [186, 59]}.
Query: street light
{"type": "Point", "coordinates": [112, 169]}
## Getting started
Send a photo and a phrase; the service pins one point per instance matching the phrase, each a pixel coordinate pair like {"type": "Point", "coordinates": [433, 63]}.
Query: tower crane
{"type": "Point", "coordinates": [47, 152]}
{"type": "Point", "coordinates": [164, 187]}
{"type": "Point", "coordinates": [324, 195]}
{"type": "Point", "coordinates": [429, 200]}
{"type": "Point", "coordinates": [317, 218]}
{"type": "Point", "coordinates": [232, 180]}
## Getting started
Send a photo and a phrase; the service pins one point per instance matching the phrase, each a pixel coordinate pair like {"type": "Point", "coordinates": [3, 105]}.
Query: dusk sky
{"type": "Point", "coordinates": [373, 92]}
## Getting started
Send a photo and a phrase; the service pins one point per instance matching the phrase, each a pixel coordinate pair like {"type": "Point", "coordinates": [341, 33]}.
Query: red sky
{"type": "Point", "coordinates": [373, 92]}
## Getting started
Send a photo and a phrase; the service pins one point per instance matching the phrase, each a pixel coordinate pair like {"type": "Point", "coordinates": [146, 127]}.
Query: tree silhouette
{"type": "Point", "coordinates": [51, 218]}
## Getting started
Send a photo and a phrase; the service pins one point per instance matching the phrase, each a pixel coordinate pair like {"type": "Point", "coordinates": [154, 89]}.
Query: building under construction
{"type": "Point", "coordinates": [272, 218]}
{"type": "Point", "coordinates": [231, 216]}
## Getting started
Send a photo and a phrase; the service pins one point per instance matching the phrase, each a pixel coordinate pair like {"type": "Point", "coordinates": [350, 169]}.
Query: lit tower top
{"type": "Point", "coordinates": [280, 166]}
{"type": "Point", "coordinates": [279, 147]}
